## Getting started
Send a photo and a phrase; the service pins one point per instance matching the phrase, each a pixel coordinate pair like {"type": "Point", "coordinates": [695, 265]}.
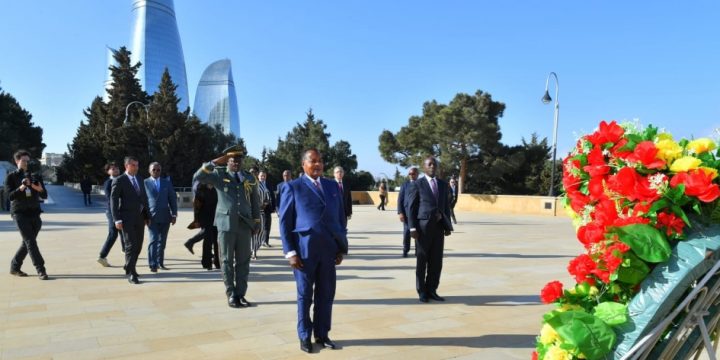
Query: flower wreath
{"type": "Point", "coordinates": [629, 191]}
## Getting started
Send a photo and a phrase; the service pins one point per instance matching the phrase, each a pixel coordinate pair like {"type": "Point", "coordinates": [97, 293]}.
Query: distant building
{"type": "Point", "coordinates": [156, 44]}
{"type": "Point", "coordinates": [51, 159]}
{"type": "Point", "coordinates": [215, 99]}
{"type": "Point", "coordinates": [108, 79]}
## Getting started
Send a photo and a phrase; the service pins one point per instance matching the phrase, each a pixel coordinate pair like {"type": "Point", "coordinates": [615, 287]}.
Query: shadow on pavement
{"type": "Point", "coordinates": [484, 341]}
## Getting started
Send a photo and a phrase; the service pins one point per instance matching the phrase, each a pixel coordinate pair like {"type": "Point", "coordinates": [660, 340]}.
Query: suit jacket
{"type": "Point", "coordinates": [453, 196]}
{"type": "Point", "coordinates": [312, 223]}
{"type": "Point", "coordinates": [347, 199]}
{"type": "Point", "coordinates": [126, 204]}
{"type": "Point", "coordinates": [277, 194]}
{"type": "Point", "coordinates": [270, 199]}
{"type": "Point", "coordinates": [402, 207]}
{"type": "Point", "coordinates": [163, 201]}
{"type": "Point", "coordinates": [204, 205]}
{"type": "Point", "coordinates": [424, 207]}
{"type": "Point", "coordinates": [237, 203]}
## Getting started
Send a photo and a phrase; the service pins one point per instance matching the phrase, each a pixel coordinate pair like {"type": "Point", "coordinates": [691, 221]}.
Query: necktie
{"type": "Point", "coordinates": [135, 185]}
{"type": "Point", "coordinates": [317, 186]}
{"type": "Point", "coordinates": [434, 188]}
{"type": "Point", "coordinates": [237, 178]}
{"type": "Point", "coordinates": [157, 185]}
{"type": "Point", "coordinates": [340, 187]}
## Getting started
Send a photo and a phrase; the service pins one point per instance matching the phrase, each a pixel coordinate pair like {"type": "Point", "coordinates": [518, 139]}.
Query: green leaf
{"type": "Point", "coordinates": [659, 205]}
{"type": "Point", "coordinates": [715, 215]}
{"type": "Point", "coordinates": [590, 335]}
{"type": "Point", "coordinates": [611, 313]}
{"type": "Point", "coordinates": [633, 270]}
{"type": "Point", "coordinates": [675, 194]}
{"type": "Point", "coordinates": [681, 213]}
{"type": "Point", "coordinates": [646, 241]}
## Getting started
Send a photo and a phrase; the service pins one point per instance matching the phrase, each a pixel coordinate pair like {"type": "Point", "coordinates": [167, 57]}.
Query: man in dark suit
{"type": "Point", "coordinates": [130, 213]}
{"type": "Point", "coordinates": [112, 170]}
{"type": "Point", "coordinates": [287, 176]}
{"type": "Point", "coordinates": [237, 216]}
{"type": "Point", "coordinates": [162, 202]}
{"type": "Point", "coordinates": [267, 206]}
{"type": "Point", "coordinates": [314, 236]}
{"type": "Point", "coordinates": [86, 188]}
{"type": "Point", "coordinates": [403, 210]}
{"type": "Point", "coordinates": [453, 198]}
{"type": "Point", "coordinates": [429, 222]}
{"type": "Point", "coordinates": [339, 173]}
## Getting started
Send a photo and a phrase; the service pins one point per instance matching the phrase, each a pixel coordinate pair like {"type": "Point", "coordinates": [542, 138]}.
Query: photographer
{"type": "Point", "coordinates": [25, 188]}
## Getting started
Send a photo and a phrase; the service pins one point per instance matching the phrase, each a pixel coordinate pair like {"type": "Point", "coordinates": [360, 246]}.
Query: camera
{"type": "Point", "coordinates": [33, 172]}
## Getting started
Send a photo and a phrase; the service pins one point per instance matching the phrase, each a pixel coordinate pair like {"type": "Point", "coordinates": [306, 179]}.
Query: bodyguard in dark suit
{"type": "Point", "coordinates": [130, 213]}
{"type": "Point", "coordinates": [287, 176]}
{"type": "Point", "coordinates": [267, 207]}
{"type": "Point", "coordinates": [162, 202]}
{"type": "Point", "coordinates": [112, 170]}
{"type": "Point", "coordinates": [339, 173]}
{"type": "Point", "coordinates": [314, 235]}
{"type": "Point", "coordinates": [403, 209]}
{"type": "Point", "coordinates": [429, 222]}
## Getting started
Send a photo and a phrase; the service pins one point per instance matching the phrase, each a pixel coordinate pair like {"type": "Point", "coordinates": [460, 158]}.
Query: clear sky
{"type": "Point", "coordinates": [365, 66]}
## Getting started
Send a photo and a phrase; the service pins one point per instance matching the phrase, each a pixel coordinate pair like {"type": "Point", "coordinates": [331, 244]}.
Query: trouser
{"type": "Point", "coordinates": [452, 214]}
{"type": "Point", "coordinates": [429, 250]}
{"type": "Point", "coordinates": [259, 237]}
{"type": "Point", "coordinates": [235, 251]}
{"type": "Point", "coordinates": [210, 253]}
{"type": "Point", "coordinates": [156, 246]}
{"type": "Point", "coordinates": [133, 233]}
{"type": "Point", "coordinates": [29, 226]}
{"type": "Point", "coordinates": [382, 203]}
{"type": "Point", "coordinates": [111, 237]}
{"type": "Point", "coordinates": [315, 282]}
{"type": "Point", "coordinates": [267, 218]}
{"type": "Point", "coordinates": [406, 238]}
{"type": "Point", "coordinates": [87, 199]}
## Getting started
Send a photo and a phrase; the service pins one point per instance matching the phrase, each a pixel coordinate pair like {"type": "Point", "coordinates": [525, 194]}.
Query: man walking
{"type": "Point", "coordinates": [267, 208]}
{"type": "Point", "coordinates": [339, 173]}
{"type": "Point", "coordinates": [314, 235]}
{"type": "Point", "coordinates": [86, 188]}
{"type": "Point", "coordinates": [403, 209]}
{"type": "Point", "coordinates": [237, 216]}
{"type": "Point", "coordinates": [429, 222]}
{"type": "Point", "coordinates": [24, 190]}
{"type": "Point", "coordinates": [130, 213]}
{"type": "Point", "coordinates": [112, 170]}
{"type": "Point", "coordinates": [162, 202]}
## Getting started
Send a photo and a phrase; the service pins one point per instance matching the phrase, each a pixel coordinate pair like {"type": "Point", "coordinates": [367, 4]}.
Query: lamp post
{"type": "Point", "coordinates": [147, 115]}
{"type": "Point", "coordinates": [546, 99]}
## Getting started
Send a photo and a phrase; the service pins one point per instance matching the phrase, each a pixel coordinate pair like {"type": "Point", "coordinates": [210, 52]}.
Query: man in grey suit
{"type": "Point", "coordinates": [429, 223]}
{"type": "Point", "coordinates": [129, 207]}
{"type": "Point", "coordinates": [163, 212]}
{"type": "Point", "coordinates": [237, 216]}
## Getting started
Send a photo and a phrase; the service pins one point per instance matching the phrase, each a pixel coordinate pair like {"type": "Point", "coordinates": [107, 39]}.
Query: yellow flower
{"type": "Point", "coordinates": [556, 353]}
{"type": "Point", "coordinates": [701, 145]}
{"type": "Point", "coordinates": [710, 171]}
{"type": "Point", "coordinates": [685, 163]}
{"type": "Point", "coordinates": [568, 307]}
{"type": "Point", "coordinates": [664, 136]}
{"type": "Point", "coordinates": [548, 335]}
{"type": "Point", "coordinates": [668, 150]}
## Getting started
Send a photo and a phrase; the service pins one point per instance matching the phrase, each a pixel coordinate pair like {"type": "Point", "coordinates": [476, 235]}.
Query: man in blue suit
{"type": "Point", "coordinates": [429, 222]}
{"type": "Point", "coordinates": [402, 208]}
{"type": "Point", "coordinates": [313, 228]}
{"type": "Point", "coordinates": [163, 212]}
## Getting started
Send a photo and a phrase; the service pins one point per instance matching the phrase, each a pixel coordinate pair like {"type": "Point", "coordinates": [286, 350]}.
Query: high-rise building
{"type": "Point", "coordinates": [108, 79]}
{"type": "Point", "coordinates": [215, 99]}
{"type": "Point", "coordinates": [156, 44]}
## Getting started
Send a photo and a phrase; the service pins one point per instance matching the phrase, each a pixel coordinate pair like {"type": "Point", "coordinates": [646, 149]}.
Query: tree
{"type": "Point", "coordinates": [466, 128]}
{"type": "Point", "coordinates": [17, 129]}
{"type": "Point", "coordinates": [309, 134]}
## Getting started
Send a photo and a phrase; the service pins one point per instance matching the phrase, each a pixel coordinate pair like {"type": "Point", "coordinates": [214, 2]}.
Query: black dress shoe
{"type": "Point", "coordinates": [326, 343]}
{"type": "Point", "coordinates": [405, 254]}
{"type": "Point", "coordinates": [423, 298]}
{"type": "Point", "coordinates": [163, 267]}
{"type": "Point", "coordinates": [43, 276]}
{"type": "Point", "coordinates": [435, 296]}
{"type": "Point", "coordinates": [133, 279]}
{"type": "Point", "coordinates": [233, 302]}
{"type": "Point", "coordinates": [306, 345]}
{"type": "Point", "coordinates": [19, 273]}
{"type": "Point", "coordinates": [152, 269]}
{"type": "Point", "coordinates": [244, 303]}
{"type": "Point", "coordinates": [190, 248]}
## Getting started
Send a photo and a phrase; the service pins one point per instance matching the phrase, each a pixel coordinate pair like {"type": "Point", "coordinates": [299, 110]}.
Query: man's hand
{"type": "Point", "coordinates": [36, 187]}
{"type": "Point", "coordinates": [402, 218]}
{"type": "Point", "coordinates": [415, 234]}
{"type": "Point", "coordinates": [221, 160]}
{"type": "Point", "coordinates": [119, 226]}
{"type": "Point", "coordinates": [448, 232]}
{"type": "Point", "coordinates": [173, 219]}
{"type": "Point", "coordinates": [338, 258]}
{"type": "Point", "coordinates": [295, 262]}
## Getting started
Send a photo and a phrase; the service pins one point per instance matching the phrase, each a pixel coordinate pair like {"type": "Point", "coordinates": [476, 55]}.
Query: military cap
{"type": "Point", "coordinates": [235, 150]}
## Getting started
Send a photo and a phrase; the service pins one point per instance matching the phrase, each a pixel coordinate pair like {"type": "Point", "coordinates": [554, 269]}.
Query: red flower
{"type": "Point", "coordinates": [551, 292]}
{"type": "Point", "coordinates": [671, 223]}
{"type": "Point", "coordinates": [613, 256]}
{"type": "Point", "coordinates": [642, 207]}
{"type": "Point", "coordinates": [631, 185]}
{"type": "Point", "coordinates": [596, 188]}
{"type": "Point", "coordinates": [698, 183]}
{"type": "Point", "coordinates": [646, 154]}
{"type": "Point", "coordinates": [534, 356]}
{"type": "Point", "coordinates": [596, 163]}
{"type": "Point", "coordinates": [605, 212]}
{"type": "Point", "coordinates": [607, 133]}
{"type": "Point", "coordinates": [590, 234]}
{"type": "Point", "coordinates": [581, 268]}
{"type": "Point", "coordinates": [631, 220]}
{"type": "Point", "coordinates": [577, 200]}
{"type": "Point", "coordinates": [615, 150]}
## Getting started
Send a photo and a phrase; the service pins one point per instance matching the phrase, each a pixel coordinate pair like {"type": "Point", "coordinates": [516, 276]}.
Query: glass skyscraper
{"type": "Point", "coordinates": [156, 44]}
{"type": "Point", "coordinates": [215, 99]}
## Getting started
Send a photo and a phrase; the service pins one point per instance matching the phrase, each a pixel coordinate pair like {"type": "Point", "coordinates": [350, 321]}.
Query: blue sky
{"type": "Point", "coordinates": [365, 66]}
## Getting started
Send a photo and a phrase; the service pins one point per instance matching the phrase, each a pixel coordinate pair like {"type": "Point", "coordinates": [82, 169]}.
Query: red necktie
{"type": "Point", "coordinates": [340, 187]}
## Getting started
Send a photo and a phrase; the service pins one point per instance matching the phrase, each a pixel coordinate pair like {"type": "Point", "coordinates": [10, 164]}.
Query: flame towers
{"type": "Point", "coordinates": [215, 99]}
{"type": "Point", "coordinates": [156, 44]}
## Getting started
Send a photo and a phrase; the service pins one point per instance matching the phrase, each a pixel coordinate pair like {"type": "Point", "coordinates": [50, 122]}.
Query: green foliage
{"type": "Point", "coordinates": [611, 313]}
{"type": "Point", "coordinates": [17, 129]}
{"type": "Point", "coordinates": [585, 332]}
{"type": "Point", "coordinates": [645, 240]}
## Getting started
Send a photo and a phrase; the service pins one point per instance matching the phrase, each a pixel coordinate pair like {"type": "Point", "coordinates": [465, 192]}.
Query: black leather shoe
{"type": "Point", "coordinates": [326, 343]}
{"type": "Point", "coordinates": [43, 276]}
{"type": "Point", "coordinates": [164, 268]}
{"type": "Point", "coordinates": [190, 248]}
{"type": "Point", "coordinates": [244, 303]}
{"type": "Point", "coordinates": [152, 269]}
{"type": "Point", "coordinates": [435, 296]}
{"type": "Point", "coordinates": [233, 302]}
{"type": "Point", "coordinates": [19, 273]}
{"type": "Point", "coordinates": [423, 298]}
{"type": "Point", "coordinates": [306, 345]}
{"type": "Point", "coordinates": [133, 279]}
{"type": "Point", "coordinates": [405, 254]}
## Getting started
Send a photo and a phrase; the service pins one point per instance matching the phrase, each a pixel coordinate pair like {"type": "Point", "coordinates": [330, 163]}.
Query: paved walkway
{"type": "Point", "coordinates": [494, 268]}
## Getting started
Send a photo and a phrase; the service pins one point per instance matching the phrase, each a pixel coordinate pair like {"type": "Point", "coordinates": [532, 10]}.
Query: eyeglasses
{"type": "Point", "coordinates": [155, 170]}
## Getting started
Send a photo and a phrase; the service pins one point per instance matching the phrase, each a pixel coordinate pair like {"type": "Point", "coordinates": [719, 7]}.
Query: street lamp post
{"type": "Point", "coordinates": [546, 99]}
{"type": "Point", "coordinates": [147, 115]}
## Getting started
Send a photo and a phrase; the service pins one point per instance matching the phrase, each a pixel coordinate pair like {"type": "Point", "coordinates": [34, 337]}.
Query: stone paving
{"type": "Point", "coordinates": [493, 270]}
